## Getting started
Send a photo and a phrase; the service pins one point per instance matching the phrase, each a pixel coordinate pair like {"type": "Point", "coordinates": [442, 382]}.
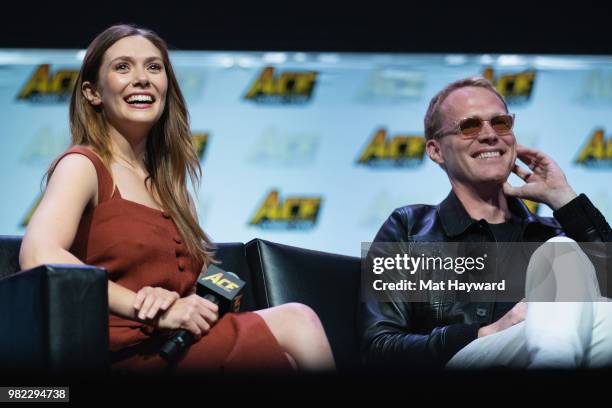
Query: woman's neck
{"type": "Point", "coordinates": [128, 148]}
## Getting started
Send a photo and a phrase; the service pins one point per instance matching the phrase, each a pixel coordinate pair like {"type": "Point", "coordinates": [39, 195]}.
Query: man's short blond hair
{"type": "Point", "coordinates": [434, 117]}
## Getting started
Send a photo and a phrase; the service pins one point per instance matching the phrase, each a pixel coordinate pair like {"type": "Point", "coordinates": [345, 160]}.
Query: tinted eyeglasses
{"type": "Point", "coordinates": [471, 127]}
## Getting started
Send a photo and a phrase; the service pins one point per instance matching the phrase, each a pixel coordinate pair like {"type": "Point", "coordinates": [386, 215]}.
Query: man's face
{"type": "Point", "coordinates": [486, 159]}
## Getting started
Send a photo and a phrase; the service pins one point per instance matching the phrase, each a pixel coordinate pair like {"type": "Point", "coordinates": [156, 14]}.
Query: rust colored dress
{"type": "Point", "coordinates": [140, 246]}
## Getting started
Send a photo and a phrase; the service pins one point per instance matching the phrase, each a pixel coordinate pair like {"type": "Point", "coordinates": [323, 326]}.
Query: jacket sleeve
{"type": "Point", "coordinates": [387, 328]}
{"type": "Point", "coordinates": [582, 221]}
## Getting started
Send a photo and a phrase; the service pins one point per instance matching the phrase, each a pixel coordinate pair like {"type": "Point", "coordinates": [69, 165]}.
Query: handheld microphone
{"type": "Point", "coordinates": [220, 287]}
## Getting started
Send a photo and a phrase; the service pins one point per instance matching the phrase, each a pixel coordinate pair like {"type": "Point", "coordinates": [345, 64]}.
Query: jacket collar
{"type": "Point", "coordinates": [456, 220]}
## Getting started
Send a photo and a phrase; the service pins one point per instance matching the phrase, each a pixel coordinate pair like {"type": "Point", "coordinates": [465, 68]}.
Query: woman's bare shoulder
{"type": "Point", "coordinates": [74, 169]}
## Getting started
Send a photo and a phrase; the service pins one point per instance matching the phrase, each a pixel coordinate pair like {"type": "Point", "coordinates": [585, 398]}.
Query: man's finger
{"type": "Point", "coordinates": [534, 158]}
{"type": "Point", "coordinates": [523, 150]}
{"type": "Point", "coordinates": [534, 164]}
{"type": "Point", "coordinates": [512, 191]}
{"type": "Point", "coordinates": [521, 172]}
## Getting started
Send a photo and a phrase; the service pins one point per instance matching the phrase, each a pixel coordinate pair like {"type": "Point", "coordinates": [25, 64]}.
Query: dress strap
{"type": "Point", "coordinates": [105, 180]}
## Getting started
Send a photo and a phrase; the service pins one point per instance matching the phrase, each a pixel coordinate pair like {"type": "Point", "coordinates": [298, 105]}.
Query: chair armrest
{"type": "Point", "coordinates": [54, 318]}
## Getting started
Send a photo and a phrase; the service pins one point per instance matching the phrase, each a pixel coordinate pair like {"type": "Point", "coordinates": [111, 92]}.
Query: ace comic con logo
{"type": "Point", "coordinates": [287, 87]}
{"type": "Point", "coordinates": [199, 141]}
{"type": "Point", "coordinates": [47, 86]}
{"type": "Point", "coordinates": [384, 150]}
{"type": "Point", "coordinates": [517, 88]}
{"type": "Point", "coordinates": [597, 151]}
{"type": "Point", "coordinates": [292, 213]}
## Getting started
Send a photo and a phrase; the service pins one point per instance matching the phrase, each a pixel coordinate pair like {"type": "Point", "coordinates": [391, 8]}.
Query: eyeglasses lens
{"type": "Point", "coordinates": [502, 123]}
{"type": "Point", "coordinates": [472, 126]}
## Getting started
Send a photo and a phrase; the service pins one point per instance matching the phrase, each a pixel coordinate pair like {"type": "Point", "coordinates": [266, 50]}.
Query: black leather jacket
{"type": "Point", "coordinates": [427, 335]}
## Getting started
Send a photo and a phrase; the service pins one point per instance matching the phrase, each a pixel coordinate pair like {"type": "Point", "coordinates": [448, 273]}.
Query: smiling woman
{"type": "Point", "coordinates": [118, 199]}
{"type": "Point", "coordinates": [133, 82]}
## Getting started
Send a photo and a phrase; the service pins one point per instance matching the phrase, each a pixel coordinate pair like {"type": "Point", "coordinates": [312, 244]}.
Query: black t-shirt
{"type": "Point", "coordinates": [508, 231]}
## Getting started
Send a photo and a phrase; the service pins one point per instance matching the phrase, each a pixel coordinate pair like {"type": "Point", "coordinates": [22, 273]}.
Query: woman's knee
{"type": "Point", "coordinates": [302, 319]}
{"type": "Point", "coordinates": [306, 313]}
{"type": "Point", "coordinates": [291, 319]}
{"type": "Point", "coordinates": [301, 315]}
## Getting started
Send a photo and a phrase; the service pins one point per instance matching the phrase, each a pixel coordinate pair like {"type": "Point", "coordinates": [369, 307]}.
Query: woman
{"type": "Point", "coordinates": [118, 199]}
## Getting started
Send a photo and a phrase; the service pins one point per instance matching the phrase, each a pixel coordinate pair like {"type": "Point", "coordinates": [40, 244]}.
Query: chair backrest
{"type": "Point", "coordinates": [328, 283]}
{"type": "Point", "coordinates": [232, 258]}
{"type": "Point", "coordinates": [9, 255]}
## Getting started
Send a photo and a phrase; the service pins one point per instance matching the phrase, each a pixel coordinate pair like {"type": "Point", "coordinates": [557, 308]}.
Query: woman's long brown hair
{"type": "Point", "coordinates": [170, 155]}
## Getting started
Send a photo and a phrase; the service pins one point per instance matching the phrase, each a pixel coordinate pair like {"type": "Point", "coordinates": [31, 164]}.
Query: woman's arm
{"type": "Point", "coordinates": [72, 186]}
{"type": "Point", "coordinates": [52, 228]}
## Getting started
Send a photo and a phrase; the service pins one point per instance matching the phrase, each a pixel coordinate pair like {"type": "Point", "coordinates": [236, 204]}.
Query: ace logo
{"type": "Point", "coordinates": [596, 152]}
{"type": "Point", "coordinates": [533, 206]}
{"type": "Point", "coordinates": [200, 142]}
{"type": "Point", "coordinates": [516, 88]}
{"type": "Point", "coordinates": [283, 88]}
{"type": "Point", "coordinates": [43, 86]}
{"type": "Point", "coordinates": [396, 151]}
{"type": "Point", "coordinates": [297, 212]}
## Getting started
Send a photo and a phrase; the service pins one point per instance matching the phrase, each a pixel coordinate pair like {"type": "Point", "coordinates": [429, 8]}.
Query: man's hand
{"type": "Point", "coordinates": [151, 300]}
{"type": "Point", "coordinates": [515, 315]}
{"type": "Point", "coordinates": [545, 183]}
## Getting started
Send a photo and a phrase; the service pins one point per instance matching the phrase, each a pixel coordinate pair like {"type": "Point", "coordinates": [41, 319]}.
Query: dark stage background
{"type": "Point", "coordinates": [473, 27]}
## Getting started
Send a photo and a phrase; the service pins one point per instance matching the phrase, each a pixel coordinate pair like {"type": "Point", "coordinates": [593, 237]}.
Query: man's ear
{"type": "Point", "coordinates": [91, 94]}
{"type": "Point", "coordinates": [434, 152]}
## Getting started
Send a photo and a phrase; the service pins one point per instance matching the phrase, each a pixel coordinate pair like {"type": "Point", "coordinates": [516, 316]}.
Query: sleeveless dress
{"type": "Point", "coordinates": [140, 246]}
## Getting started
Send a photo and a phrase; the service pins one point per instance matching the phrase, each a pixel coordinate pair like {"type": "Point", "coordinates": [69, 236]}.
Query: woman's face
{"type": "Point", "coordinates": [132, 84]}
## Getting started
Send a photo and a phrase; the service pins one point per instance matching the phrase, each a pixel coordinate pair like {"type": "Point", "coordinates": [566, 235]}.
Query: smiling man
{"type": "Point", "coordinates": [469, 134]}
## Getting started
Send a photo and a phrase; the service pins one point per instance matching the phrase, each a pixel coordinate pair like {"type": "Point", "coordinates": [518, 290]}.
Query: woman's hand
{"type": "Point", "coordinates": [149, 301]}
{"type": "Point", "coordinates": [545, 183]}
{"type": "Point", "coordinates": [192, 313]}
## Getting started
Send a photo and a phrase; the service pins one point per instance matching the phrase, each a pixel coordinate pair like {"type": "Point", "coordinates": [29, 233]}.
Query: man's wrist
{"type": "Point", "coordinates": [560, 198]}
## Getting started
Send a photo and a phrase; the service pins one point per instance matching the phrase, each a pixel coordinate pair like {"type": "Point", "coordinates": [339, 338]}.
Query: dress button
{"type": "Point", "coordinates": [177, 239]}
{"type": "Point", "coordinates": [181, 265]}
{"type": "Point", "coordinates": [165, 214]}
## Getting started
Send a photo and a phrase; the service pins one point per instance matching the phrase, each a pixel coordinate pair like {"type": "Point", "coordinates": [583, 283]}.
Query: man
{"type": "Point", "coordinates": [469, 134]}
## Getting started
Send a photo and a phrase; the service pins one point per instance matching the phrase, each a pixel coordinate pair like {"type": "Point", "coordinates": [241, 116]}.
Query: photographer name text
{"type": "Point", "coordinates": [431, 285]}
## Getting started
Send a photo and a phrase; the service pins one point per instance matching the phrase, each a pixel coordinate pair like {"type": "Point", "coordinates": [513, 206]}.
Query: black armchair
{"type": "Point", "coordinates": [55, 317]}
{"type": "Point", "coordinates": [328, 283]}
